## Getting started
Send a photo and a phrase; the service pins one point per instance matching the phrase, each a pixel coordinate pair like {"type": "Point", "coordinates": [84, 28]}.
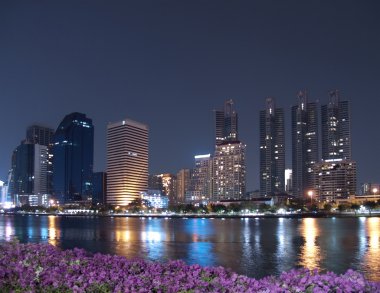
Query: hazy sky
{"type": "Point", "coordinates": [170, 63]}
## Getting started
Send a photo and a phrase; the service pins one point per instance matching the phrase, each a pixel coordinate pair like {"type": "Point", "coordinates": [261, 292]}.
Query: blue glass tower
{"type": "Point", "coordinates": [73, 157]}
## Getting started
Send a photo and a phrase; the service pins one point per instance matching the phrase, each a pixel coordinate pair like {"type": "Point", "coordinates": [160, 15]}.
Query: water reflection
{"type": "Point", "coordinates": [254, 247]}
{"type": "Point", "coordinates": [372, 256]}
{"type": "Point", "coordinates": [54, 233]}
{"type": "Point", "coordinates": [310, 251]}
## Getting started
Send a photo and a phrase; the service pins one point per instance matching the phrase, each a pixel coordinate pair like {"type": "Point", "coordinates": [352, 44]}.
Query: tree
{"type": "Point", "coordinates": [370, 205]}
{"type": "Point", "coordinates": [218, 208]}
{"type": "Point", "coordinates": [264, 207]}
{"type": "Point", "coordinates": [342, 207]}
{"type": "Point", "coordinates": [327, 207]}
{"type": "Point", "coordinates": [355, 207]}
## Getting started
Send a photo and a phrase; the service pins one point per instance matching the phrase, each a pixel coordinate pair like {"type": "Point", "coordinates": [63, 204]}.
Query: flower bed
{"type": "Point", "coordinates": [45, 268]}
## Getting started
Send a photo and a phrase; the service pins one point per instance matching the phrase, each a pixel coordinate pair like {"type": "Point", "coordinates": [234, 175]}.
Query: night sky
{"type": "Point", "coordinates": [170, 63]}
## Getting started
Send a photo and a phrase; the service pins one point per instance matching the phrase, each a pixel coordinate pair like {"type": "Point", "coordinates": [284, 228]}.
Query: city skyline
{"type": "Point", "coordinates": [180, 63]}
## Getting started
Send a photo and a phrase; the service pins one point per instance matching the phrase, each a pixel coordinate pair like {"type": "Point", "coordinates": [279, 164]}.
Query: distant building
{"type": "Point", "coordinates": [73, 157]}
{"type": "Point", "coordinates": [253, 194]}
{"type": "Point", "coordinates": [229, 171]}
{"type": "Point", "coordinates": [42, 135]}
{"type": "Point", "coordinates": [272, 149]}
{"type": "Point", "coordinates": [166, 183]}
{"type": "Point", "coordinates": [201, 187]}
{"type": "Point", "coordinates": [183, 184]}
{"type": "Point", "coordinates": [334, 179]}
{"type": "Point", "coordinates": [39, 200]}
{"type": "Point", "coordinates": [29, 176]}
{"type": "Point", "coordinates": [3, 193]}
{"type": "Point", "coordinates": [336, 129]}
{"type": "Point", "coordinates": [155, 198]}
{"type": "Point", "coordinates": [99, 188]}
{"type": "Point", "coordinates": [288, 181]}
{"type": "Point", "coordinates": [127, 161]}
{"type": "Point", "coordinates": [370, 189]}
{"type": "Point", "coordinates": [226, 123]}
{"type": "Point", "coordinates": [305, 146]}
{"type": "Point", "coordinates": [37, 134]}
{"type": "Point", "coordinates": [155, 182]}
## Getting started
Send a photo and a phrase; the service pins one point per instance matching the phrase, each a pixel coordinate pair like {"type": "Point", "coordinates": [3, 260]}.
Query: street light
{"type": "Point", "coordinates": [310, 193]}
{"type": "Point", "coordinates": [375, 190]}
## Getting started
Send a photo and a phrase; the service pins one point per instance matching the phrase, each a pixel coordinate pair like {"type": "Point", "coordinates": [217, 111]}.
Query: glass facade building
{"type": "Point", "coordinates": [336, 129]}
{"type": "Point", "coordinates": [226, 123]}
{"type": "Point", "coordinates": [99, 188]}
{"type": "Point", "coordinates": [305, 146]}
{"type": "Point", "coordinates": [73, 157]}
{"type": "Point", "coordinates": [272, 149]}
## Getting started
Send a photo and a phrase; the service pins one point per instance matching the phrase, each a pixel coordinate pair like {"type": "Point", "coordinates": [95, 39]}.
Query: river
{"type": "Point", "coordinates": [255, 247]}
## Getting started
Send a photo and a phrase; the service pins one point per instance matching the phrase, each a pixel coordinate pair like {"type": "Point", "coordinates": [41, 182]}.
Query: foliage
{"type": "Point", "coordinates": [45, 268]}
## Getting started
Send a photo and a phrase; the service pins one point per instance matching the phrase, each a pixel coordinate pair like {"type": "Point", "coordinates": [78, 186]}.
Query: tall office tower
{"type": "Point", "coordinates": [334, 178]}
{"type": "Point", "coordinates": [201, 179]}
{"type": "Point", "coordinates": [305, 150]}
{"type": "Point", "coordinates": [29, 165]}
{"type": "Point", "coordinates": [183, 184]}
{"type": "Point", "coordinates": [272, 149]}
{"type": "Point", "coordinates": [42, 135]}
{"type": "Point", "coordinates": [226, 123]}
{"type": "Point", "coordinates": [336, 129]}
{"type": "Point", "coordinates": [99, 189]}
{"type": "Point", "coordinates": [229, 171]}
{"type": "Point", "coordinates": [73, 157]}
{"type": "Point", "coordinates": [127, 161]}
{"type": "Point", "coordinates": [38, 134]}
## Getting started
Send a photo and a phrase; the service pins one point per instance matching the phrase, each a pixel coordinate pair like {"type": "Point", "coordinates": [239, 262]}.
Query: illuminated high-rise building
{"type": "Point", "coordinates": [29, 172]}
{"type": "Point", "coordinates": [183, 184]}
{"type": "Point", "coordinates": [73, 157]}
{"type": "Point", "coordinates": [272, 149]}
{"type": "Point", "coordinates": [127, 161]}
{"type": "Point", "coordinates": [201, 186]}
{"type": "Point", "coordinates": [336, 129]}
{"type": "Point", "coordinates": [166, 183]}
{"type": "Point", "coordinates": [334, 178]}
{"type": "Point", "coordinates": [305, 150]}
{"type": "Point", "coordinates": [226, 123]}
{"type": "Point", "coordinates": [229, 172]}
{"type": "Point", "coordinates": [42, 135]}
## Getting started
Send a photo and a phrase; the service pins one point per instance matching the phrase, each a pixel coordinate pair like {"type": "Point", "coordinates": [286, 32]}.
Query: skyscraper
{"type": "Point", "coordinates": [229, 171]}
{"type": "Point", "coordinates": [305, 151]}
{"type": "Point", "coordinates": [201, 179]}
{"type": "Point", "coordinates": [272, 149]}
{"type": "Point", "coordinates": [127, 161]}
{"type": "Point", "coordinates": [37, 134]}
{"type": "Point", "coordinates": [42, 135]}
{"type": "Point", "coordinates": [73, 157]}
{"type": "Point", "coordinates": [336, 128]}
{"type": "Point", "coordinates": [226, 123]}
{"type": "Point", "coordinates": [183, 184]}
{"type": "Point", "coordinates": [99, 188]}
{"type": "Point", "coordinates": [29, 177]}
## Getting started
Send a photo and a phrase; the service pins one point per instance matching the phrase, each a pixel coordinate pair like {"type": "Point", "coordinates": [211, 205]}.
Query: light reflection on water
{"type": "Point", "coordinates": [310, 256]}
{"type": "Point", "coordinates": [254, 247]}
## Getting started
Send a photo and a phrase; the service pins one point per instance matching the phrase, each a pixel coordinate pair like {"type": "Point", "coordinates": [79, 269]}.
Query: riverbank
{"type": "Point", "coordinates": [205, 216]}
